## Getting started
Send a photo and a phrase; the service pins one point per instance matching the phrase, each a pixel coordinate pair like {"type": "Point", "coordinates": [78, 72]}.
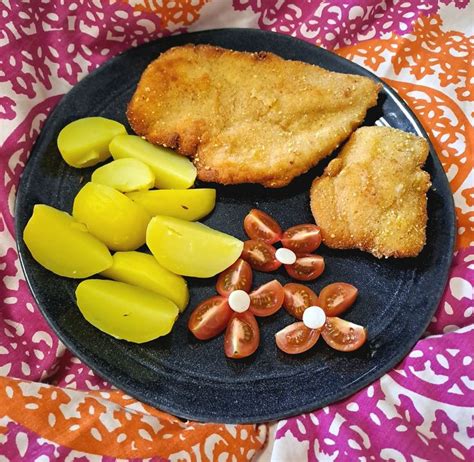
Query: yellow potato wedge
{"type": "Point", "coordinates": [64, 246]}
{"type": "Point", "coordinates": [85, 142]}
{"type": "Point", "coordinates": [111, 216]}
{"type": "Point", "coordinates": [191, 248]}
{"type": "Point", "coordinates": [125, 175]}
{"type": "Point", "coordinates": [124, 311]}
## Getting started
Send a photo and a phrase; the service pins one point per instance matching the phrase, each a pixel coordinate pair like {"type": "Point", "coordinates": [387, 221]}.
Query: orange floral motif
{"type": "Point", "coordinates": [448, 128]}
{"type": "Point", "coordinates": [115, 425]}
{"type": "Point", "coordinates": [174, 12]}
{"type": "Point", "coordinates": [429, 50]}
{"type": "Point", "coordinates": [465, 228]}
{"type": "Point", "coordinates": [468, 194]}
{"type": "Point", "coordinates": [450, 132]}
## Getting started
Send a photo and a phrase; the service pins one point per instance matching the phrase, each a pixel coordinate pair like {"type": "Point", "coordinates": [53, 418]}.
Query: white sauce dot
{"type": "Point", "coordinates": [239, 301]}
{"type": "Point", "coordinates": [285, 256]}
{"type": "Point", "coordinates": [314, 317]}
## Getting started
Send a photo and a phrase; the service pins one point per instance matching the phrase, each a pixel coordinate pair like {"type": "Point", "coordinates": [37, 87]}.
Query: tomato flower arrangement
{"type": "Point", "coordinates": [236, 307]}
{"type": "Point", "coordinates": [234, 310]}
{"type": "Point", "coordinates": [298, 242]}
{"type": "Point", "coordinates": [318, 317]}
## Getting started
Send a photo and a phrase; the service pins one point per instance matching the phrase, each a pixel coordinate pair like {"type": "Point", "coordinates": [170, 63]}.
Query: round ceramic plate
{"type": "Point", "coordinates": [193, 379]}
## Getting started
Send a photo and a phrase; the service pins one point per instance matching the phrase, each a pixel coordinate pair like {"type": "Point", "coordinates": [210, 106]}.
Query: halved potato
{"type": "Point", "coordinates": [191, 248]}
{"type": "Point", "coordinates": [125, 175]}
{"type": "Point", "coordinates": [62, 245]}
{"type": "Point", "coordinates": [124, 311]}
{"type": "Point", "coordinates": [172, 171]}
{"type": "Point", "coordinates": [111, 216]}
{"type": "Point", "coordinates": [85, 142]}
{"type": "Point", "coordinates": [143, 270]}
{"type": "Point", "coordinates": [187, 204]}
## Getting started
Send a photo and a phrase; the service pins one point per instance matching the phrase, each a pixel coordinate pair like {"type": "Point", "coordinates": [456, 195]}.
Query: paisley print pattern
{"type": "Point", "coordinates": [53, 407]}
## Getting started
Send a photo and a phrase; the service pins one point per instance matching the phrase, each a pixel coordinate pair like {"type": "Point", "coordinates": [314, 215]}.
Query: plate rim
{"type": "Point", "coordinates": [310, 406]}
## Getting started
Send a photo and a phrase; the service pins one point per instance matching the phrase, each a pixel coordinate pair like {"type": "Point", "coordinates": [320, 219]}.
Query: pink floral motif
{"type": "Point", "coordinates": [457, 308]}
{"type": "Point", "coordinates": [405, 409]}
{"type": "Point", "coordinates": [66, 40]}
{"type": "Point", "coordinates": [336, 24]}
{"type": "Point", "coordinates": [6, 108]}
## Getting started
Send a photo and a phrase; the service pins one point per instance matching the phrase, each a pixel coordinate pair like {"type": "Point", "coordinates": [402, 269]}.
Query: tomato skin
{"type": "Point", "coordinates": [210, 318]}
{"type": "Point", "coordinates": [296, 338]}
{"type": "Point", "coordinates": [260, 226]}
{"type": "Point", "coordinates": [267, 299]}
{"type": "Point", "coordinates": [302, 238]}
{"type": "Point", "coordinates": [238, 276]}
{"type": "Point", "coordinates": [343, 335]}
{"type": "Point", "coordinates": [260, 256]}
{"type": "Point", "coordinates": [242, 336]}
{"type": "Point", "coordinates": [306, 268]}
{"type": "Point", "coordinates": [337, 298]}
{"type": "Point", "coordinates": [297, 298]}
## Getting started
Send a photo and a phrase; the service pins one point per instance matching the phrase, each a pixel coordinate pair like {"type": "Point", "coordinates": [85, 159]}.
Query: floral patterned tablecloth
{"type": "Point", "coordinates": [54, 408]}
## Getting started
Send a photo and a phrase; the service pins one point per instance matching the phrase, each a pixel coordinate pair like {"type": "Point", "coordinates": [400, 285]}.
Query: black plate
{"type": "Point", "coordinates": [193, 379]}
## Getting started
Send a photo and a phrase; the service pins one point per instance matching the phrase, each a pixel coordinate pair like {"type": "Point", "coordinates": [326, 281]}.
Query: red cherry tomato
{"type": "Point", "coordinates": [210, 318]}
{"type": "Point", "coordinates": [262, 227]}
{"type": "Point", "coordinates": [296, 338]}
{"type": "Point", "coordinates": [260, 255]}
{"type": "Point", "coordinates": [237, 277]}
{"type": "Point", "coordinates": [306, 268]}
{"type": "Point", "coordinates": [302, 238]}
{"type": "Point", "coordinates": [297, 298]}
{"type": "Point", "coordinates": [267, 299]}
{"type": "Point", "coordinates": [337, 298]}
{"type": "Point", "coordinates": [343, 335]}
{"type": "Point", "coordinates": [242, 335]}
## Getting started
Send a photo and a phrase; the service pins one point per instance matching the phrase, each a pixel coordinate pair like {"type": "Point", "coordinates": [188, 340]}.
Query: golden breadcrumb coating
{"type": "Point", "coordinates": [247, 117]}
{"type": "Point", "coordinates": [372, 197]}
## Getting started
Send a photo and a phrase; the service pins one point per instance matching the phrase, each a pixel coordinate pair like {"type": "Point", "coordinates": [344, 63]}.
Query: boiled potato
{"type": "Point", "coordinates": [172, 171]}
{"type": "Point", "coordinates": [187, 204]}
{"type": "Point", "coordinates": [124, 311]}
{"type": "Point", "coordinates": [111, 216]}
{"type": "Point", "coordinates": [62, 245]}
{"type": "Point", "coordinates": [141, 269]}
{"type": "Point", "coordinates": [191, 248]}
{"type": "Point", "coordinates": [85, 142]}
{"type": "Point", "coordinates": [125, 175]}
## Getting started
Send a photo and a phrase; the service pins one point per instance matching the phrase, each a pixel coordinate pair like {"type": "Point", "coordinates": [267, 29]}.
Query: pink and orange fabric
{"type": "Point", "coordinates": [53, 407]}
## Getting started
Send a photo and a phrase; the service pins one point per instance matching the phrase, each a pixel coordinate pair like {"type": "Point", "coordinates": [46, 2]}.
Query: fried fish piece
{"type": "Point", "coordinates": [247, 117]}
{"type": "Point", "coordinates": [372, 197]}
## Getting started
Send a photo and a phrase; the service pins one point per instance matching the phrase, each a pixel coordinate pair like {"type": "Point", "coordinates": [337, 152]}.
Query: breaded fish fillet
{"type": "Point", "coordinates": [372, 197]}
{"type": "Point", "coordinates": [247, 117]}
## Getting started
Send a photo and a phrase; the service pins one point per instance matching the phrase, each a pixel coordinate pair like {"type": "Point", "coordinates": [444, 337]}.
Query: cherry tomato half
{"type": "Point", "coordinates": [296, 338]}
{"type": "Point", "coordinates": [297, 298]}
{"type": "Point", "coordinates": [343, 335]}
{"type": "Point", "coordinates": [210, 318]}
{"type": "Point", "coordinates": [302, 238]}
{"type": "Point", "coordinates": [337, 298]}
{"type": "Point", "coordinates": [242, 335]}
{"type": "Point", "coordinates": [260, 255]}
{"type": "Point", "coordinates": [306, 267]}
{"type": "Point", "coordinates": [262, 227]}
{"type": "Point", "coordinates": [267, 299]}
{"type": "Point", "coordinates": [237, 277]}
